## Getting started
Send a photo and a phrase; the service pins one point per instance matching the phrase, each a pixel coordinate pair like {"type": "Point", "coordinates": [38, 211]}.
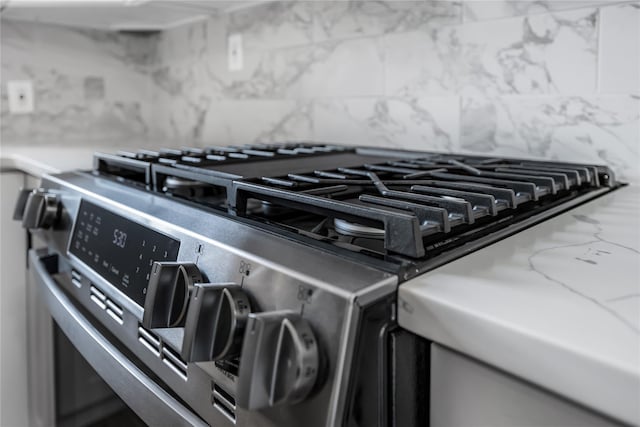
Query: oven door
{"type": "Point", "coordinates": [78, 386]}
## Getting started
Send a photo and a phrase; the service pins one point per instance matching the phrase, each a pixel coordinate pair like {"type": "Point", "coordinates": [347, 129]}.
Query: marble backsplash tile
{"type": "Point", "coordinates": [420, 124]}
{"type": "Point", "coordinates": [271, 121]}
{"type": "Point", "coordinates": [274, 24]}
{"type": "Point", "coordinates": [342, 68]}
{"type": "Point", "coordinates": [526, 78]}
{"type": "Point", "coordinates": [593, 129]}
{"type": "Point", "coordinates": [480, 10]}
{"type": "Point", "coordinates": [190, 42]}
{"type": "Point", "coordinates": [619, 50]}
{"type": "Point", "coordinates": [89, 86]}
{"type": "Point", "coordinates": [267, 74]}
{"type": "Point", "coordinates": [412, 72]}
{"type": "Point", "coordinates": [352, 67]}
{"type": "Point", "coordinates": [525, 55]}
{"type": "Point", "coordinates": [345, 19]}
{"type": "Point", "coordinates": [537, 54]}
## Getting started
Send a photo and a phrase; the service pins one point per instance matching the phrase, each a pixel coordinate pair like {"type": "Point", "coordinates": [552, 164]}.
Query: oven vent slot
{"type": "Point", "coordinates": [174, 362]}
{"type": "Point", "coordinates": [115, 311]}
{"type": "Point", "coordinates": [76, 278]}
{"type": "Point", "coordinates": [170, 358]}
{"type": "Point", "coordinates": [149, 340]}
{"type": "Point", "coordinates": [223, 402]}
{"type": "Point", "coordinates": [98, 297]}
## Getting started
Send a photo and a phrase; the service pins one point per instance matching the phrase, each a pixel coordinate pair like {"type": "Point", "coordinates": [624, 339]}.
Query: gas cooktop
{"type": "Point", "coordinates": [391, 207]}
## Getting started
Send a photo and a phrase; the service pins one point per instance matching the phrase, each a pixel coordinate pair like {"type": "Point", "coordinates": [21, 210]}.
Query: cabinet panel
{"type": "Point", "coordinates": [465, 392]}
{"type": "Point", "coordinates": [13, 307]}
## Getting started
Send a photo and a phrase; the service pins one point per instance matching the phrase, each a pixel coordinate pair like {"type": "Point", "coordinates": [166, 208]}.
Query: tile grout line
{"type": "Point", "coordinates": [599, 65]}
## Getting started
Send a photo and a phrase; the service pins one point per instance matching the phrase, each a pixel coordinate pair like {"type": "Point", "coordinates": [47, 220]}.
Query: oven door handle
{"type": "Point", "coordinates": [146, 398]}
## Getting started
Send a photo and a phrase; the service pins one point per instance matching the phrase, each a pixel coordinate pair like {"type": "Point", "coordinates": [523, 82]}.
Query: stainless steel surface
{"type": "Point", "coordinates": [280, 360]}
{"type": "Point", "coordinates": [40, 343]}
{"type": "Point", "coordinates": [257, 361]}
{"type": "Point", "coordinates": [168, 294]}
{"type": "Point", "coordinates": [215, 323]}
{"type": "Point", "coordinates": [296, 362]}
{"type": "Point", "coordinates": [41, 210]}
{"type": "Point", "coordinates": [21, 203]}
{"type": "Point", "coordinates": [41, 353]}
{"type": "Point", "coordinates": [144, 396]}
{"type": "Point", "coordinates": [277, 274]}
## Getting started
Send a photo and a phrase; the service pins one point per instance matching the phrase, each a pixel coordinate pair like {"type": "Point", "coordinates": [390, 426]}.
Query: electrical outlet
{"type": "Point", "coordinates": [20, 94]}
{"type": "Point", "coordinates": [234, 52]}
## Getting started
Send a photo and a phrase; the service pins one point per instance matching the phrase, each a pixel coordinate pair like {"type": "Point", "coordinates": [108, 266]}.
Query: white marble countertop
{"type": "Point", "coordinates": [39, 160]}
{"type": "Point", "coordinates": [557, 304]}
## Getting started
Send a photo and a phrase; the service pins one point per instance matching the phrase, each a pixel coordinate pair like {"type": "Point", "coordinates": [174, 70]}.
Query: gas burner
{"type": "Point", "coordinates": [271, 210]}
{"type": "Point", "coordinates": [184, 187]}
{"type": "Point", "coordinates": [353, 229]}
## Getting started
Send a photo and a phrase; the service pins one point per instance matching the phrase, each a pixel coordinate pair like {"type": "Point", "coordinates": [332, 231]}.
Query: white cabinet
{"type": "Point", "coordinates": [13, 307]}
{"type": "Point", "coordinates": [465, 392]}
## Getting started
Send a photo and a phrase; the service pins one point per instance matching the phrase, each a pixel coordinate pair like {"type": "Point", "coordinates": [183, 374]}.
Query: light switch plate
{"type": "Point", "coordinates": [234, 52]}
{"type": "Point", "coordinates": [20, 94]}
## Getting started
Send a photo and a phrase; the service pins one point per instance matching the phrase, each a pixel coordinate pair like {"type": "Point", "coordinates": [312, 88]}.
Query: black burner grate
{"type": "Point", "coordinates": [388, 201]}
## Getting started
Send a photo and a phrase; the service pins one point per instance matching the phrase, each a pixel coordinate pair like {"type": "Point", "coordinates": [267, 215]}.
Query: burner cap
{"type": "Point", "coordinates": [183, 187]}
{"type": "Point", "coordinates": [172, 182]}
{"type": "Point", "coordinates": [269, 209]}
{"type": "Point", "coordinates": [357, 230]}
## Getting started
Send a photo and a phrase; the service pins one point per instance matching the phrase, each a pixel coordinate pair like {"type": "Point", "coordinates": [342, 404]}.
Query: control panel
{"type": "Point", "coordinates": [120, 250]}
{"type": "Point", "coordinates": [216, 321]}
{"type": "Point", "coordinates": [278, 351]}
{"type": "Point", "coordinates": [170, 285]}
{"type": "Point", "coordinates": [244, 326]}
{"type": "Point", "coordinates": [37, 209]}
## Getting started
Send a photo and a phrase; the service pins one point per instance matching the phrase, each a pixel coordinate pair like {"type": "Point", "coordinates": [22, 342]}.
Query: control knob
{"type": "Point", "coordinates": [215, 322]}
{"type": "Point", "coordinates": [37, 209]}
{"type": "Point", "coordinates": [168, 292]}
{"type": "Point", "coordinates": [279, 361]}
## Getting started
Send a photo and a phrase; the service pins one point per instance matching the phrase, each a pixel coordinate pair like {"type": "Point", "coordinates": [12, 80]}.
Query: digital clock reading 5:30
{"type": "Point", "coordinates": [120, 250]}
{"type": "Point", "coordinates": [119, 238]}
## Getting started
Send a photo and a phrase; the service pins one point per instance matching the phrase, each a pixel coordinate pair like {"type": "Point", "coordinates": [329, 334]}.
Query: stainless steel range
{"type": "Point", "coordinates": [256, 285]}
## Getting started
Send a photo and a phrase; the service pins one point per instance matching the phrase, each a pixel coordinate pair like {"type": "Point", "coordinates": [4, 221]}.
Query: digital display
{"type": "Point", "coordinates": [120, 250]}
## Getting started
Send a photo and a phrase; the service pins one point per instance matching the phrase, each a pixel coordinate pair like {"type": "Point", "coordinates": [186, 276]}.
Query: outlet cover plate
{"type": "Point", "coordinates": [234, 52]}
{"type": "Point", "coordinates": [20, 96]}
